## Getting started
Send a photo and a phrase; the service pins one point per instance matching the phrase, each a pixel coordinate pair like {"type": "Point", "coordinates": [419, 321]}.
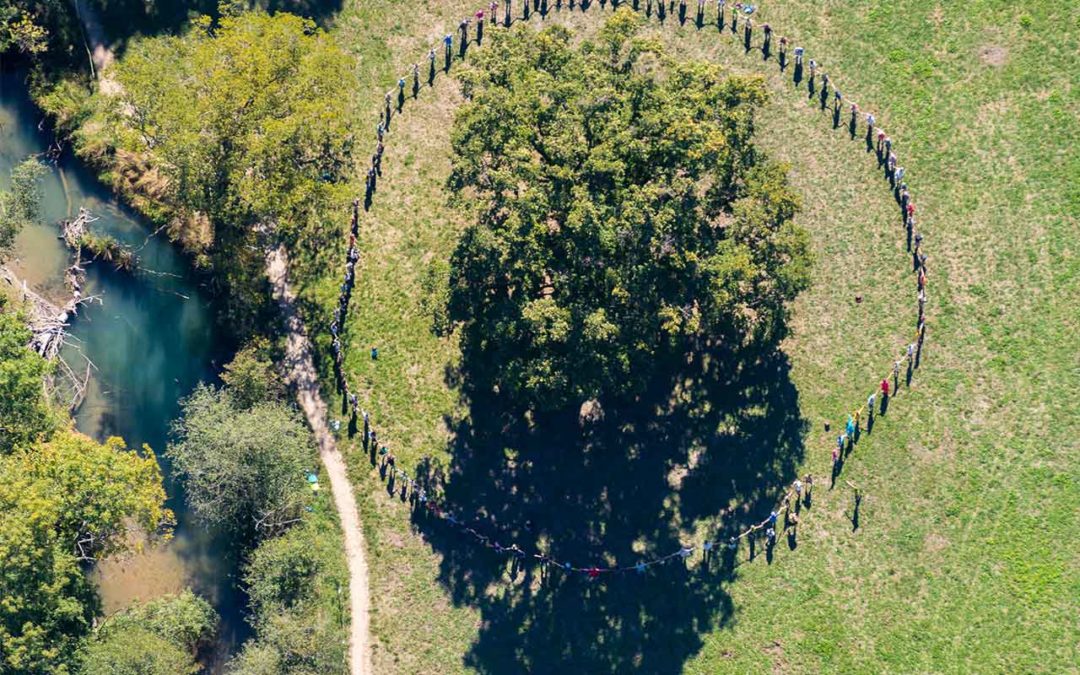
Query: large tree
{"type": "Point", "coordinates": [243, 468]}
{"type": "Point", "coordinates": [622, 215]}
{"type": "Point", "coordinates": [235, 130]}
{"type": "Point", "coordinates": [63, 503]}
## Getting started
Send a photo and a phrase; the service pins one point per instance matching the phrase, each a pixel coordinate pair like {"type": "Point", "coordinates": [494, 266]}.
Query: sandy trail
{"type": "Point", "coordinates": [301, 374]}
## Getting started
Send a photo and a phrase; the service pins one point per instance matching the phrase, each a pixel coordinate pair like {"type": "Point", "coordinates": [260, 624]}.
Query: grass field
{"type": "Point", "coordinates": [965, 558]}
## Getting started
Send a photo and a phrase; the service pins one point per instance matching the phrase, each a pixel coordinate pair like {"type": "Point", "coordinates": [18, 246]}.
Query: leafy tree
{"type": "Point", "coordinates": [25, 413]}
{"type": "Point", "coordinates": [293, 583]}
{"type": "Point", "coordinates": [21, 204]}
{"type": "Point", "coordinates": [243, 468]}
{"type": "Point", "coordinates": [161, 636]}
{"type": "Point", "coordinates": [623, 216]}
{"type": "Point", "coordinates": [136, 651]}
{"type": "Point", "coordinates": [251, 377]}
{"type": "Point", "coordinates": [245, 123]}
{"type": "Point", "coordinates": [62, 502]}
{"type": "Point", "coordinates": [26, 26]}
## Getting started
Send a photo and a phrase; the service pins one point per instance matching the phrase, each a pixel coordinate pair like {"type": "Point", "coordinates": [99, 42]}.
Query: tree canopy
{"type": "Point", "coordinates": [25, 413]}
{"type": "Point", "coordinates": [622, 215]}
{"type": "Point", "coordinates": [160, 637]}
{"type": "Point", "coordinates": [20, 205]}
{"type": "Point", "coordinates": [62, 502]}
{"type": "Point", "coordinates": [243, 468]}
{"type": "Point", "coordinates": [236, 129]}
{"type": "Point", "coordinates": [26, 26]}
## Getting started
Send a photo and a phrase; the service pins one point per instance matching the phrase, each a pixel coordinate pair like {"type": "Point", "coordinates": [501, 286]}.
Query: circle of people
{"type": "Point", "coordinates": [799, 494]}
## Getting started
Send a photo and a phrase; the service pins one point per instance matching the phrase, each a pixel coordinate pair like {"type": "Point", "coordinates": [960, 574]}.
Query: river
{"type": "Point", "coordinates": [152, 339]}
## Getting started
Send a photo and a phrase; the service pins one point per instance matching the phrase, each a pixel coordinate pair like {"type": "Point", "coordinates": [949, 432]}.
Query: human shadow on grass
{"type": "Point", "coordinates": [630, 486]}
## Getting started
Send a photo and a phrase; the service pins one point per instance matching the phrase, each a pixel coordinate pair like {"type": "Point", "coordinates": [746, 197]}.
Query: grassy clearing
{"type": "Point", "coordinates": [964, 560]}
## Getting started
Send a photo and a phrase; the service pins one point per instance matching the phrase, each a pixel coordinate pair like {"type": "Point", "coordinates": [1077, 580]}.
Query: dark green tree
{"type": "Point", "coordinates": [25, 413]}
{"type": "Point", "coordinates": [20, 205]}
{"type": "Point", "coordinates": [251, 378]}
{"type": "Point", "coordinates": [623, 216]}
{"type": "Point", "coordinates": [243, 467]}
{"type": "Point", "coordinates": [162, 636]}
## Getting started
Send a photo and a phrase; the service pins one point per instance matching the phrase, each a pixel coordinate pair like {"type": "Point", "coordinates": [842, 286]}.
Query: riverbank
{"type": "Point", "coordinates": [133, 177]}
{"type": "Point", "coordinates": [151, 340]}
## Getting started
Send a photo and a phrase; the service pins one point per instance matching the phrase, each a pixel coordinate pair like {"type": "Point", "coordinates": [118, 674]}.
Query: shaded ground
{"type": "Point", "coordinates": [613, 493]}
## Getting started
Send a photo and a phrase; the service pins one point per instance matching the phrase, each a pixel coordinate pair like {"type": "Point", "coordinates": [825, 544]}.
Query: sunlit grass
{"type": "Point", "coordinates": [965, 558]}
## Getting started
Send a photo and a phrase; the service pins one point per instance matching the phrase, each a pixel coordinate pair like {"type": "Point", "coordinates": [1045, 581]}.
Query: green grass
{"type": "Point", "coordinates": [965, 560]}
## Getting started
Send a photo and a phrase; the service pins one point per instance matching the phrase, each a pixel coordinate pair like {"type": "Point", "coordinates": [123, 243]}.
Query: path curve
{"type": "Point", "coordinates": [301, 374]}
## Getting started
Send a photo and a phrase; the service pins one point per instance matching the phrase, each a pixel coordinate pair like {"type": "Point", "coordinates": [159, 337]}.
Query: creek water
{"type": "Point", "coordinates": [152, 339]}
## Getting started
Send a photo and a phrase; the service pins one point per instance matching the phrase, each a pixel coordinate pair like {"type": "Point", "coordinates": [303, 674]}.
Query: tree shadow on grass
{"type": "Point", "coordinates": [125, 19]}
{"type": "Point", "coordinates": [634, 486]}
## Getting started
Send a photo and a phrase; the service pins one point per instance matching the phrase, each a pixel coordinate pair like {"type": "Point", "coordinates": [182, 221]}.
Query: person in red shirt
{"type": "Point", "coordinates": [884, 389]}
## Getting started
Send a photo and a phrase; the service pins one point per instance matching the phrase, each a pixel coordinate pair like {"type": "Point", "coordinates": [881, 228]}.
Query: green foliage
{"type": "Point", "coordinates": [65, 501]}
{"type": "Point", "coordinates": [161, 636]}
{"type": "Point", "coordinates": [25, 414]}
{"type": "Point", "coordinates": [623, 215]}
{"type": "Point", "coordinates": [245, 122]}
{"type": "Point", "coordinates": [109, 249]}
{"type": "Point", "coordinates": [136, 651]}
{"type": "Point", "coordinates": [243, 468]}
{"type": "Point", "coordinates": [295, 584]}
{"type": "Point", "coordinates": [185, 620]}
{"type": "Point", "coordinates": [101, 492]}
{"type": "Point", "coordinates": [21, 204]}
{"type": "Point", "coordinates": [251, 377]}
{"type": "Point", "coordinates": [26, 25]}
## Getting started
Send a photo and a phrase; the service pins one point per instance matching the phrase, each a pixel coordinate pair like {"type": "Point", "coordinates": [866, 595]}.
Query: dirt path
{"type": "Point", "coordinates": [301, 373]}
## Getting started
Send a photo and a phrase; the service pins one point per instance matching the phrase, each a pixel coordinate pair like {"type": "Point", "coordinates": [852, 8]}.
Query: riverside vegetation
{"type": "Point", "coordinates": [153, 151]}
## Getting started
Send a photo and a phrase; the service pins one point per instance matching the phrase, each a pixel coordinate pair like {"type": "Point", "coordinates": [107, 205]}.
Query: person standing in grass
{"type": "Point", "coordinates": [884, 392]}
{"type": "Point", "coordinates": [766, 44]}
{"type": "Point", "coordinates": [850, 428]}
{"type": "Point", "coordinates": [782, 52]}
{"type": "Point", "coordinates": [869, 410]}
{"type": "Point", "coordinates": [448, 49]}
{"type": "Point", "coordinates": [748, 30]}
{"type": "Point", "coordinates": [853, 123]}
{"type": "Point", "coordinates": [480, 26]}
